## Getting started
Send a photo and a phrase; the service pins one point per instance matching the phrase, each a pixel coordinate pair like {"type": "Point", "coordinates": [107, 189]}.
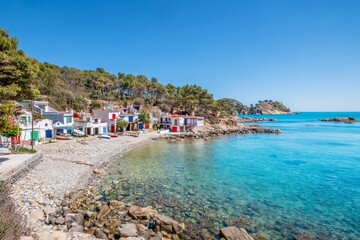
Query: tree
{"type": "Point", "coordinates": [144, 116]}
{"type": "Point", "coordinates": [121, 125]}
{"type": "Point", "coordinates": [17, 71]}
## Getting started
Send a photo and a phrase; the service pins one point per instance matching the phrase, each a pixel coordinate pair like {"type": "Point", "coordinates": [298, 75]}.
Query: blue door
{"type": "Point", "coordinates": [104, 129]}
{"type": "Point", "coordinates": [141, 126]}
{"type": "Point", "coordinates": [131, 118]}
{"type": "Point", "coordinates": [185, 121]}
{"type": "Point", "coordinates": [48, 133]}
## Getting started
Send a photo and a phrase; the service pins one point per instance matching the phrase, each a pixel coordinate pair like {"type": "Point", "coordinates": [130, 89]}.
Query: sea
{"type": "Point", "coordinates": [301, 184]}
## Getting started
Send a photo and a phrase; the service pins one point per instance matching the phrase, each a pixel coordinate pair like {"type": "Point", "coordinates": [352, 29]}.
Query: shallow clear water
{"type": "Point", "coordinates": [302, 183]}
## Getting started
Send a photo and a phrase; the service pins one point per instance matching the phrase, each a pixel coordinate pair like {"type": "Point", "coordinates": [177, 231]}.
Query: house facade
{"type": "Point", "coordinates": [91, 126]}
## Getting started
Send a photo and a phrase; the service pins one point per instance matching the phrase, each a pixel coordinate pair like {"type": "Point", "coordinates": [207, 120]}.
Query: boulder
{"type": "Point", "coordinates": [26, 238]}
{"type": "Point", "coordinates": [136, 212]}
{"type": "Point", "coordinates": [99, 171]}
{"type": "Point", "coordinates": [49, 210]}
{"type": "Point", "coordinates": [72, 219]}
{"type": "Point", "coordinates": [77, 228]}
{"type": "Point", "coordinates": [169, 224]}
{"type": "Point", "coordinates": [100, 234]}
{"type": "Point", "coordinates": [58, 235]}
{"type": "Point", "coordinates": [43, 236]}
{"type": "Point", "coordinates": [128, 230]}
{"type": "Point", "coordinates": [234, 233]}
{"type": "Point", "coordinates": [60, 220]}
{"type": "Point", "coordinates": [36, 215]}
{"type": "Point", "coordinates": [104, 210]}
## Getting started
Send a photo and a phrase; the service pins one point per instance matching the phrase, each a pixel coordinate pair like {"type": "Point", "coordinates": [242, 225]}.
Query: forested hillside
{"type": "Point", "coordinates": [23, 77]}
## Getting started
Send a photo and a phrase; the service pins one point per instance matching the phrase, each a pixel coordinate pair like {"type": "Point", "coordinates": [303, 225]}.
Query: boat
{"type": "Point", "coordinates": [113, 135]}
{"type": "Point", "coordinates": [64, 137]}
{"type": "Point", "coordinates": [4, 151]}
{"type": "Point", "coordinates": [104, 136]}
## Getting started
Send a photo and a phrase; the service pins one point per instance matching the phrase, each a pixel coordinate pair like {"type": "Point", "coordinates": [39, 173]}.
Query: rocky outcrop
{"type": "Point", "coordinates": [251, 119]}
{"type": "Point", "coordinates": [210, 131]}
{"type": "Point", "coordinates": [268, 107]}
{"type": "Point", "coordinates": [234, 233]}
{"type": "Point", "coordinates": [348, 120]}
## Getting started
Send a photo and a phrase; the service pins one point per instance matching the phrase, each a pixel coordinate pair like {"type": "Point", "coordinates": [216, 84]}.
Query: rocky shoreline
{"type": "Point", "coordinates": [55, 208]}
{"type": "Point", "coordinates": [206, 132]}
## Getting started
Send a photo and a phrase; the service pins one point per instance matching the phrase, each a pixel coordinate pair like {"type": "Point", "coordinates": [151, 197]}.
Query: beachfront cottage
{"type": "Point", "coordinates": [132, 120]}
{"type": "Point", "coordinates": [42, 107]}
{"type": "Point", "coordinates": [91, 126]}
{"type": "Point", "coordinates": [109, 116]}
{"type": "Point", "coordinates": [43, 130]}
{"type": "Point", "coordinates": [172, 122]}
{"type": "Point", "coordinates": [193, 121]}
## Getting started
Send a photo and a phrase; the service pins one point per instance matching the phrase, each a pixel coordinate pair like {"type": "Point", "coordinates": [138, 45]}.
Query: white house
{"type": "Point", "coordinates": [91, 125]}
{"type": "Point", "coordinates": [173, 122]}
{"type": "Point", "coordinates": [43, 130]}
{"type": "Point", "coordinates": [66, 118]}
{"type": "Point", "coordinates": [193, 121]}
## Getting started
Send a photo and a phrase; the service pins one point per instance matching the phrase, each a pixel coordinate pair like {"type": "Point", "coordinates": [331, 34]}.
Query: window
{"type": "Point", "coordinates": [46, 124]}
{"type": "Point", "coordinates": [68, 119]}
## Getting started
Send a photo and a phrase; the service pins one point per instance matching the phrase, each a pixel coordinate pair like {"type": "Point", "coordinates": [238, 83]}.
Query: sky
{"type": "Point", "coordinates": [305, 53]}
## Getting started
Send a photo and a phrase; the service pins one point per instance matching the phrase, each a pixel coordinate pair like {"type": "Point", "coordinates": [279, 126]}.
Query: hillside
{"type": "Point", "coordinates": [23, 77]}
{"type": "Point", "coordinates": [269, 107]}
{"type": "Point", "coordinates": [232, 106]}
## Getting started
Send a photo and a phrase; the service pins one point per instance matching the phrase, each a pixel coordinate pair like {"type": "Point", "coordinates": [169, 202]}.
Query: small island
{"type": "Point", "coordinates": [348, 120]}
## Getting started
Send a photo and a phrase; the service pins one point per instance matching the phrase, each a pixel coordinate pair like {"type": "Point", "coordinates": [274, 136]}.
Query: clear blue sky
{"type": "Point", "coordinates": [304, 53]}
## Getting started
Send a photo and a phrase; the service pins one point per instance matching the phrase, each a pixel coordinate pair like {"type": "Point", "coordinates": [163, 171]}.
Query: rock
{"type": "Point", "coordinates": [74, 218]}
{"type": "Point", "coordinates": [36, 215]}
{"type": "Point", "coordinates": [43, 236]}
{"type": "Point", "coordinates": [136, 212]}
{"type": "Point", "coordinates": [150, 212]}
{"type": "Point", "coordinates": [128, 230]}
{"type": "Point", "coordinates": [104, 210]}
{"type": "Point", "coordinates": [26, 238]}
{"type": "Point", "coordinates": [99, 171]}
{"type": "Point", "coordinates": [133, 238]}
{"type": "Point", "coordinates": [340, 119]}
{"type": "Point", "coordinates": [116, 204]}
{"type": "Point", "coordinates": [49, 210]}
{"type": "Point", "coordinates": [234, 233]}
{"type": "Point", "coordinates": [60, 221]}
{"type": "Point", "coordinates": [158, 236]}
{"type": "Point", "coordinates": [58, 235]}
{"type": "Point", "coordinates": [77, 228]}
{"type": "Point", "coordinates": [169, 224]}
{"type": "Point", "coordinates": [100, 234]}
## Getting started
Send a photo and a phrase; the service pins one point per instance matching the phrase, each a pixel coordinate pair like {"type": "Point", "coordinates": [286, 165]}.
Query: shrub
{"type": "Point", "coordinates": [24, 150]}
{"type": "Point", "coordinates": [12, 224]}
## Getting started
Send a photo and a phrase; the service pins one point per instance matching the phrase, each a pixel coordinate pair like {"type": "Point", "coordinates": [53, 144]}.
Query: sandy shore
{"type": "Point", "coordinates": [66, 165]}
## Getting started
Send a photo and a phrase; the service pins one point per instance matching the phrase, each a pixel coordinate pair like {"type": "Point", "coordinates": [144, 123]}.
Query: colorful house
{"type": "Point", "coordinates": [41, 131]}
{"type": "Point", "coordinates": [172, 122]}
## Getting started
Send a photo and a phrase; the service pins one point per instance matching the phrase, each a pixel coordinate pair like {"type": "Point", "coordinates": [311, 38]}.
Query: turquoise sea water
{"type": "Point", "coordinates": [301, 184]}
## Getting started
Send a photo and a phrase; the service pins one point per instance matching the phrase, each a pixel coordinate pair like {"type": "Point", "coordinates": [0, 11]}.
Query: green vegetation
{"type": "Point", "coordinates": [121, 125]}
{"type": "Point", "coordinates": [267, 106]}
{"type": "Point", "coordinates": [23, 150]}
{"type": "Point", "coordinates": [22, 77]}
{"type": "Point", "coordinates": [144, 116]}
{"type": "Point", "coordinates": [12, 224]}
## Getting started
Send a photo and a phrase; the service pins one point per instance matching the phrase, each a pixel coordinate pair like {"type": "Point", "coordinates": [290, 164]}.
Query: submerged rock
{"type": "Point", "coordinates": [234, 233]}
{"type": "Point", "coordinates": [340, 119]}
